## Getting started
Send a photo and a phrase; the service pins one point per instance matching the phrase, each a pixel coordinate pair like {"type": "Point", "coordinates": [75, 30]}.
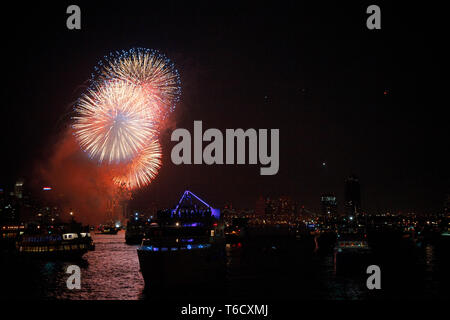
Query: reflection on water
{"type": "Point", "coordinates": [277, 270]}
{"type": "Point", "coordinates": [109, 272]}
{"type": "Point", "coordinates": [287, 270]}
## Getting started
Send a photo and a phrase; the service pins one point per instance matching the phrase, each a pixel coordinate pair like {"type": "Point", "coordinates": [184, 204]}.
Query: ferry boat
{"type": "Point", "coordinates": [9, 235]}
{"type": "Point", "coordinates": [444, 237]}
{"type": "Point", "coordinates": [106, 229]}
{"type": "Point", "coordinates": [136, 228]}
{"type": "Point", "coordinates": [443, 245]}
{"type": "Point", "coordinates": [56, 242]}
{"type": "Point", "coordinates": [237, 230]}
{"type": "Point", "coordinates": [351, 250]}
{"type": "Point", "coordinates": [184, 246]}
{"type": "Point", "coordinates": [446, 233]}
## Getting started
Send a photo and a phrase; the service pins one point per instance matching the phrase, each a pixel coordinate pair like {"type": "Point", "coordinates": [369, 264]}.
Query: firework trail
{"type": "Point", "coordinates": [119, 117]}
{"type": "Point", "coordinates": [147, 69]}
{"type": "Point", "coordinates": [143, 169]}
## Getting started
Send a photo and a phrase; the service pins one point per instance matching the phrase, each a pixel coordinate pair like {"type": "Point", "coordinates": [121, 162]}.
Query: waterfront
{"type": "Point", "coordinates": [279, 270]}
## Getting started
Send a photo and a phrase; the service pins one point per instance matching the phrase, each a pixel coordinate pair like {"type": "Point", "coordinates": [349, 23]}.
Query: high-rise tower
{"type": "Point", "coordinates": [352, 196]}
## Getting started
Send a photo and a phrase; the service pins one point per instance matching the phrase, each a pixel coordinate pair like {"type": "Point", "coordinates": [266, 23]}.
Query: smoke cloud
{"type": "Point", "coordinates": [78, 184]}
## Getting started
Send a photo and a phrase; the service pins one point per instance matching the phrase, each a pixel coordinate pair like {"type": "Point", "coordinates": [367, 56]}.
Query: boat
{"type": "Point", "coordinates": [135, 230]}
{"type": "Point", "coordinates": [107, 230]}
{"type": "Point", "coordinates": [351, 250]}
{"type": "Point", "coordinates": [183, 246]}
{"type": "Point", "coordinates": [64, 241]}
{"type": "Point", "coordinates": [444, 237]}
{"type": "Point", "coordinates": [446, 234]}
{"type": "Point", "coordinates": [443, 245]}
{"type": "Point", "coordinates": [9, 234]}
{"type": "Point", "coordinates": [237, 230]}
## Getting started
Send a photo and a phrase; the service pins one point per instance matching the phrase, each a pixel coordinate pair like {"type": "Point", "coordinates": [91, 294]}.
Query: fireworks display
{"type": "Point", "coordinates": [114, 123]}
{"type": "Point", "coordinates": [148, 69]}
{"type": "Point", "coordinates": [143, 169]}
{"type": "Point", "coordinates": [119, 117]}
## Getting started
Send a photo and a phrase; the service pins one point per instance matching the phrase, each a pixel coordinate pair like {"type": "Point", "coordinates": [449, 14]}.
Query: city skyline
{"type": "Point", "coordinates": [48, 199]}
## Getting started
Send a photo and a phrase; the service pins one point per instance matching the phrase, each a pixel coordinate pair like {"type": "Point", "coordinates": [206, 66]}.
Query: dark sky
{"type": "Point", "coordinates": [323, 72]}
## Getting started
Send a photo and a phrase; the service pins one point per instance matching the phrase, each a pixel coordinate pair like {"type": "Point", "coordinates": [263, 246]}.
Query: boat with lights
{"type": "Point", "coordinates": [62, 241]}
{"type": "Point", "coordinates": [108, 230]}
{"type": "Point", "coordinates": [183, 246]}
{"type": "Point", "coordinates": [9, 234]}
{"type": "Point", "coordinates": [236, 231]}
{"type": "Point", "coordinates": [135, 229]}
{"type": "Point", "coordinates": [351, 250]}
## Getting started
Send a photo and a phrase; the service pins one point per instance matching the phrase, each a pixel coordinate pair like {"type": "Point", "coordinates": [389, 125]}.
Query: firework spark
{"type": "Point", "coordinates": [114, 122]}
{"type": "Point", "coordinates": [148, 69]}
{"type": "Point", "coordinates": [119, 117]}
{"type": "Point", "coordinates": [143, 169]}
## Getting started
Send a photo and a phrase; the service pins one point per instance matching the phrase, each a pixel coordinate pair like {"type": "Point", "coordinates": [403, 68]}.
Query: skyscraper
{"type": "Point", "coordinates": [18, 189]}
{"type": "Point", "coordinates": [352, 196]}
{"type": "Point", "coordinates": [447, 204]}
{"type": "Point", "coordinates": [328, 204]}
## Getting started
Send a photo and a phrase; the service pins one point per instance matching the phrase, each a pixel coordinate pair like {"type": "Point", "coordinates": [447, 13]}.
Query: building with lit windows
{"type": "Point", "coordinates": [352, 196]}
{"type": "Point", "coordinates": [328, 205]}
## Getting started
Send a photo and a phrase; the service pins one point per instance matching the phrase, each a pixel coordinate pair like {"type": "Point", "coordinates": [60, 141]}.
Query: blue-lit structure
{"type": "Point", "coordinates": [186, 201]}
{"type": "Point", "coordinates": [184, 245]}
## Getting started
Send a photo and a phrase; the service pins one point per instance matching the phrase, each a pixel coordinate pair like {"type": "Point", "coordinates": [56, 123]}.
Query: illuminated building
{"type": "Point", "coordinates": [329, 205]}
{"type": "Point", "coordinates": [18, 189]}
{"type": "Point", "coordinates": [447, 204]}
{"type": "Point", "coordinates": [280, 206]}
{"type": "Point", "coordinates": [352, 196]}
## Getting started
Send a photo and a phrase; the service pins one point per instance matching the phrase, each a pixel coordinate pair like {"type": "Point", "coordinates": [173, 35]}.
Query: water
{"type": "Point", "coordinates": [111, 272]}
{"type": "Point", "coordinates": [282, 270]}
{"type": "Point", "coordinates": [289, 270]}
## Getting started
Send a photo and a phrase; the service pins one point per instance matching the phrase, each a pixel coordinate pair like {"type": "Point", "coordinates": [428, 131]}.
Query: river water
{"type": "Point", "coordinates": [111, 272]}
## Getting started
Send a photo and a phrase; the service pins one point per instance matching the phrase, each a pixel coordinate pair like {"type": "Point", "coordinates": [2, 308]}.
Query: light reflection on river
{"type": "Point", "coordinates": [104, 277]}
{"type": "Point", "coordinates": [111, 272]}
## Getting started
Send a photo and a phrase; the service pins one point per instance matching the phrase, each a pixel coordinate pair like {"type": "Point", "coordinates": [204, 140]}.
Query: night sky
{"type": "Point", "coordinates": [312, 70]}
